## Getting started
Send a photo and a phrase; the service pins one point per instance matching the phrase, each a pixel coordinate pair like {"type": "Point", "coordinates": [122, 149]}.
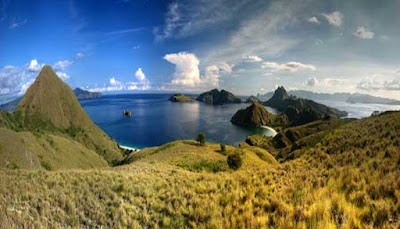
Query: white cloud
{"type": "Point", "coordinates": [186, 68]}
{"type": "Point", "coordinates": [79, 55]}
{"type": "Point", "coordinates": [313, 20]}
{"type": "Point", "coordinates": [335, 18]}
{"type": "Point", "coordinates": [114, 82]}
{"type": "Point", "coordinates": [212, 75]}
{"type": "Point", "coordinates": [375, 83]}
{"type": "Point", "coordinates": [288, 67]}
{"type": "Point", "coordinates": [311, 82]}
{"type": "Point", "coordinates": [363, 33]}
{"type": "Point", "coordinates": [15, 24]}
{"type": "Point", "coordinates": [141, 77]}
{"type": "Point", "coordinates": [252, 58]}
{"type": "Point", "coordinates": [34, 66]}
{"type": "Point", "coordinates": [62, 65]}
{"type": "Point", "coordinates": [64, 76]}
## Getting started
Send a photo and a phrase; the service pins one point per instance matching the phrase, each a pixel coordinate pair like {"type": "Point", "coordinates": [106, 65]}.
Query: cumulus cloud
{"type": "Point", "coordinates": [335, 18]}
{"type": "Point", "coordinates": [34, 66]}
{"type": "Point", "coordinates": [288, 67]}
{"type": "Point", "coordinates": [311, 82]}
{"type": "Point", "coordinates": [186, 68]}
{"type": "Point", "coordinates": [363, 33]}
{"type": "Point", "coordinates": [141, 77]}
{"type": "Point", "coordinates": [313, 20]}
{"type": "Point", "coordinates": [252, 58]}
{"type": "Point", "coordinates": [212, 75]}
{"type": "Point", "coordinates": [371, 84]}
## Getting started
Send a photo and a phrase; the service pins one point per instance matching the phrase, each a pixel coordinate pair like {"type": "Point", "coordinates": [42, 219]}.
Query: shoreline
{"type": "Point", "coordinates": [128, 148]}
{"type": "Point", "coordinates": [270, 129]}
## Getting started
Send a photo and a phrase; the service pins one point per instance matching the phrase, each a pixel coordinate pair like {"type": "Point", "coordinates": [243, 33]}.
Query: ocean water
{"type": "Point", "coordinates": [156, 121]}
{"type": "Point", "coordinates": [359, 110]}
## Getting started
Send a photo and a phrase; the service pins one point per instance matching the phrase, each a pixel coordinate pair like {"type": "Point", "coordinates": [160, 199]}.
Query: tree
{"type": "Point", "coordinates": [201, 138]}
{"type": "Point", "coordinates": [235, 160]}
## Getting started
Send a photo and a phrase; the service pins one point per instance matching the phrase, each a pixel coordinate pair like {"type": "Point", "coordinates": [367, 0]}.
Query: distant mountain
{"type": "Point", "coordinates": [49, 129]}
{"type": "Point", "coordinates": [282, 101]}
{"type": "Point", "coordinates": [216, 97]}
{"type": "Point", "coordinates": [362, 98]}
{"type": "Point", "coordinates": [252, 99]}
{"type": "Point", "coordinates": [340, 97]}
{"type": "Point", "coordinates": [181, 98]}
{"type": "Point", "coordinates": [10, 106]}
{"type": "Point", "coordinates": [83, 94]}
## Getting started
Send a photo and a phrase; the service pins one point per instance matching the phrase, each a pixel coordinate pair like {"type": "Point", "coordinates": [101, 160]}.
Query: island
{"type": "Point", "coordinates": [181, 98]}
{"type": "Point", "coordinates": [216, 97]}
{"type": "Point", "coordinates": [83, 94]}
{"type": "Point", "coordinates": [282, 101]}
{"type": "Point", "coordinates": [257, 115]}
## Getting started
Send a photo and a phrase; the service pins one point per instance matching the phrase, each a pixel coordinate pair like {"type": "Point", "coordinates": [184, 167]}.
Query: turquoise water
{"type": "Point", "coordinates": [156, 121]}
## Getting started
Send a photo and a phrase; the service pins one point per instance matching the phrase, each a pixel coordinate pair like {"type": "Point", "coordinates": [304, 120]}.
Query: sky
{"type": "Point", "coordinates": [244, 46]}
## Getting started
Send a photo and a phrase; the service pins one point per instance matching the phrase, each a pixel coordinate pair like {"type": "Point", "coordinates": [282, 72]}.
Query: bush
{"type": "Point", "coordinates": [235, 161]}
{"type": "Point", "coordinates": [223, 148]}
{"type": "Point", "coordinates": [201, 138]}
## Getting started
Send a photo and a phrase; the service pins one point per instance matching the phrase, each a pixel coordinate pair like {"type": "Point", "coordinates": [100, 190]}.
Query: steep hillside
{"type": "Point", "coordinates": [50, 105]}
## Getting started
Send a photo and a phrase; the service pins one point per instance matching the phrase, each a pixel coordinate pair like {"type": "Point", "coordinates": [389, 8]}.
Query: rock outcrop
{"type": "Point", "coordinates": [216, 97]}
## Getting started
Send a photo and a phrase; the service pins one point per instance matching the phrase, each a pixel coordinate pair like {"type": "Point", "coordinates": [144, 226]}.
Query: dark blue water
{"type": "Point", "coordinates": [156, 121]}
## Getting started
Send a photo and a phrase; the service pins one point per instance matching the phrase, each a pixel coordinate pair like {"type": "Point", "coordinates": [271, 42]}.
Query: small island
{"type": "Point", "coordinates": [181, 98]}
{"type": "Point", "coordinates": [216, 97]}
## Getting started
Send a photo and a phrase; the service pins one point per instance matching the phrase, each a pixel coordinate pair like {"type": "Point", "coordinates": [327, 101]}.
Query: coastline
{"type": "Point", "coordinates": [128, 148]}
{"type": "Point", "coordinates": [270, 129]}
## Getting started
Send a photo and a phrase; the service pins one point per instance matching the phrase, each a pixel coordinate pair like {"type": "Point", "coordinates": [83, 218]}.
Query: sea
{"type": "Point", "coordinates": [155, 120]}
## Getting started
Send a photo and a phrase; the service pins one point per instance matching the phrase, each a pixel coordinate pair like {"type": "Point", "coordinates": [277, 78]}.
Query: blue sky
{"type": "Point", "coordinates": [246, 46]}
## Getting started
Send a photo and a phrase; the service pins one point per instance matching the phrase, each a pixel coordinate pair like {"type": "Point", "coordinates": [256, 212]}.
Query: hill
{"type": "Point", "coordinates": [338, 174]}
{"type": "Point", "coordinates": [256, 115]}
{"type": "Point", "coordinates": [83, 94]}
{"type": "Point", "coordinates": [216, 97]}
{"type": "Point", "coordinates": [281, 101]}
{"type": "Point", "coordinates": [48, 123]}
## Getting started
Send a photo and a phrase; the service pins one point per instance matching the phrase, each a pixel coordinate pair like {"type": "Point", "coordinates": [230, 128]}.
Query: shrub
{"type": "Point", "coordinates": [201, 138]}
{"type": "Point", "coordinates": [223, 148]}
{"type": "Point", "coordinates": [235, 160]}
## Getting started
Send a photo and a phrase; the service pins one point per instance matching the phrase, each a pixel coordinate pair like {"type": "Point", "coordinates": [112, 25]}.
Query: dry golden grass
{"type": "Point", "coordinates": [349, 179]}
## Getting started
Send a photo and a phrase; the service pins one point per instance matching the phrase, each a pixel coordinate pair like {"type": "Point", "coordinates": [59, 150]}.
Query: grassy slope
{"type": "Point", "coordinates": [350, 179]}
{"type": "Point", "coordinates": [45, 151]}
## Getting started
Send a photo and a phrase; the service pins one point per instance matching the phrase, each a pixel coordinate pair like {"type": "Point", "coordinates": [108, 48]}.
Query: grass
{"type": "Point", "coordinates": [350, 178]}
